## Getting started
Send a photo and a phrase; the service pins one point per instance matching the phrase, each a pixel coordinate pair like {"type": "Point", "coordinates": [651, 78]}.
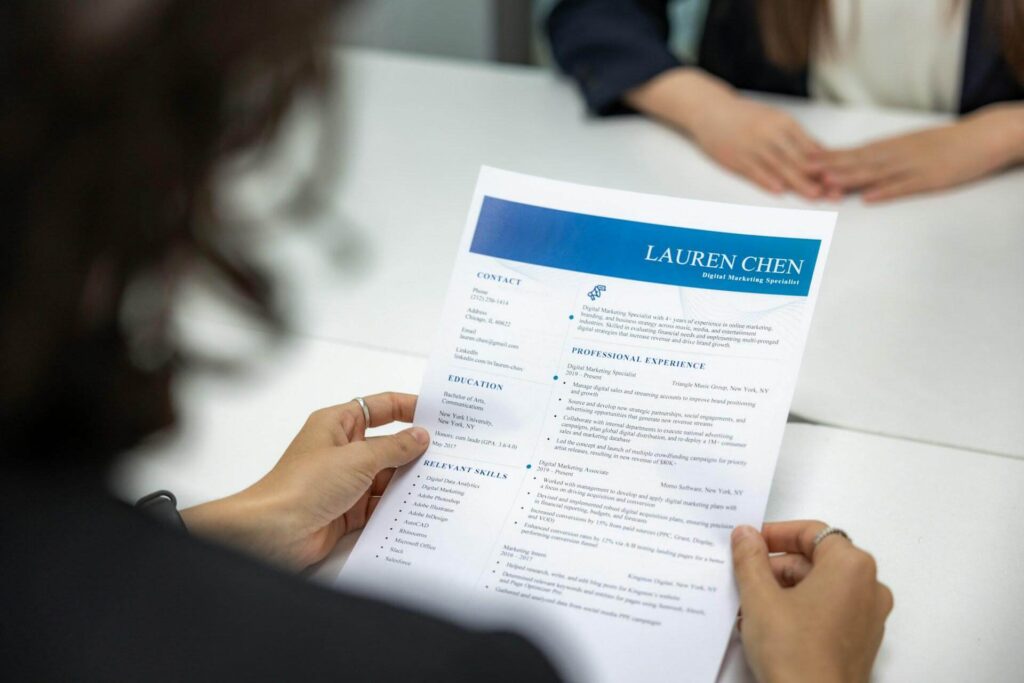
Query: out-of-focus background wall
{"type": "Point", "coordinates": [493, 30]}
{"type": "Point", "coordinates": [497, 30]}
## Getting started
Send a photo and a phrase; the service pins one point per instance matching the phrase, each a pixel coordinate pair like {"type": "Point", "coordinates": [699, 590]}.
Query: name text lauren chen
{"type": "Point", "coordinates": [772, 265]}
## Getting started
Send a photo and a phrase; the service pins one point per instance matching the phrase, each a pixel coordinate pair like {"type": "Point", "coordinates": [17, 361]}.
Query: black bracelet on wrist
{"type": "Point", "coordinates": [162, 506]}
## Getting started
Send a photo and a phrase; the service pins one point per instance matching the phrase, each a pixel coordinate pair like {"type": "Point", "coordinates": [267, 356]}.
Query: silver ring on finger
{"type": "Point", "coordinates": [366, 411]}
{"type": "Point", "coordinates": [828, 531]}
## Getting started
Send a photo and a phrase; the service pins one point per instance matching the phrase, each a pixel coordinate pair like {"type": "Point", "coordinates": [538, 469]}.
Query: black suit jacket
{"type": "Point", "coordinates": [92, 590]}
{"type": "Point", "coordinates": [611, 46]}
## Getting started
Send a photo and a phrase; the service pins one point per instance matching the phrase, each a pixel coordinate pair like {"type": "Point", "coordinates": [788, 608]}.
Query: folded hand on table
{"type": "Point", "coordinates": [933, 159]}
{"type": "Point", "coordinates": [325, 485]}
{"type": "Point", "coordinates": [769, 147]}
{"type": "Point", "coordinates": [760, 142]}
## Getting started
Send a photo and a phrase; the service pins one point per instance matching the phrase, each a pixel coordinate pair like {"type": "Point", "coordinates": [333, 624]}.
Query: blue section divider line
{"type": "Point", "coordinates": [684, 257]}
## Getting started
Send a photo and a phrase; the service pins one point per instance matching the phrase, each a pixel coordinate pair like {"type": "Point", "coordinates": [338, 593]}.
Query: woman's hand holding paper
{"type": "Point", "coordinates": [326, 484]}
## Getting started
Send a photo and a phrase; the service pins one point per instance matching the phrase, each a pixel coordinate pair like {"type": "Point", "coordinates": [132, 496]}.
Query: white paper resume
{"type": "Point", "coordinates": [606, 398]}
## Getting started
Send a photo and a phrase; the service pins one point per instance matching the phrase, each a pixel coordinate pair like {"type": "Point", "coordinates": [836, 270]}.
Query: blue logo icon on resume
{"type": "Point", "coordinates": [595, 293]}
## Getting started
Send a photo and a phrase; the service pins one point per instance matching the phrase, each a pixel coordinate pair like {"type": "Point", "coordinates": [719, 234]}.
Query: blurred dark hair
{"type": "Point", "coordinates": [792, 30]}
{"type": "Point", "coordinates": [113, 116]}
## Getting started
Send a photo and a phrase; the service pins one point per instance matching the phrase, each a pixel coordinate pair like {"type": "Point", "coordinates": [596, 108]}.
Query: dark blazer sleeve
{"type": "Point", "coordinates": [94, 591]}
{"type": "Point", "coordinates": [610, 46]}
{"type": "Point", "coordinates": [987, 77]}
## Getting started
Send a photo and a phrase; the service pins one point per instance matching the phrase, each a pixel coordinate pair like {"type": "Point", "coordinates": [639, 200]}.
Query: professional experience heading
{"type": "Point", "coordinates": [636, 358]}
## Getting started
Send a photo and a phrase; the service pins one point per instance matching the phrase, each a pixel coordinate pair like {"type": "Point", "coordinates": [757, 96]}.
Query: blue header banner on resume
{"type": "Point", "coordinates": [631, 250]}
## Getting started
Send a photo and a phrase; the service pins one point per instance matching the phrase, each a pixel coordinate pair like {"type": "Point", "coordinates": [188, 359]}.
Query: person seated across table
{"type": "Point", "coordinates": [964, 57]}
{"type": "Point", "coordinates": [116, 116]}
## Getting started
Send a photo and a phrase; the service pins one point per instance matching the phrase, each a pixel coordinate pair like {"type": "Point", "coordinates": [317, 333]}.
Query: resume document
{"type": "Point", "coordinates": [606, 398]}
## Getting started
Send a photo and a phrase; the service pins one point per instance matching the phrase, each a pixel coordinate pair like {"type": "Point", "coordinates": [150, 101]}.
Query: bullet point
{"type": "Point", "coordinates": [571, 317]}
{"type": "Point", "coordinates": [556, 377]}
{"type": "Point", "coordinates": [529, 467]}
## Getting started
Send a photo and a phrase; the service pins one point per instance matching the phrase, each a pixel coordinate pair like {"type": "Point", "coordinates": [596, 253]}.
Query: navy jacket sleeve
{"type": "Point", "coordinates": [610, 46]}
{"type": "Point", "coordinates": [93, 590]}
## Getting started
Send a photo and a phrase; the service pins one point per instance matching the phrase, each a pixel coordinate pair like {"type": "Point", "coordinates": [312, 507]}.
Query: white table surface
{"type": "Point", "coordinates": [944, 524]}
{"type": "Point", "coordinates": [919, 329]}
